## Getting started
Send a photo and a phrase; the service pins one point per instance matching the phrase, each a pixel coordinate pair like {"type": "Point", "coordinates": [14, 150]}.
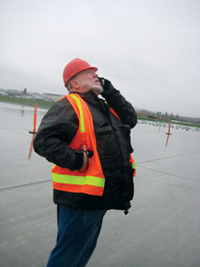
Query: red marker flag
{"type": "Point", "coordinates": [34, 131]}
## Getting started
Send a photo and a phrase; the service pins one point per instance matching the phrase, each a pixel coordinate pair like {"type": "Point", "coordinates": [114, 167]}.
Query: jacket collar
{"type": "Point", "coordinates": [90, 97]}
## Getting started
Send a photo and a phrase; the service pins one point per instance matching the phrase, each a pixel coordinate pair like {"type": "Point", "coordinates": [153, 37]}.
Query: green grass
{"type": "Point", "coordinates": [29, 102]}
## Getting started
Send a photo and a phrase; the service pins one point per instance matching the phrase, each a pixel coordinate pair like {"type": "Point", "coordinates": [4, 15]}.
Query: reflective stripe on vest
{"type": "Point", "coordinates": [91, 181]}
{"type": "Point", "coordinates": [81, 112]}
{"type": "Point", "coordinates": [85, 184]}
{"type": "Point", "coordinates": [132, 162]}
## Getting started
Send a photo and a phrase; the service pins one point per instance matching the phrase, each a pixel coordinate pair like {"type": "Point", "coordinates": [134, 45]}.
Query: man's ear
{"type": "Point", "coordinates": [74, 84]}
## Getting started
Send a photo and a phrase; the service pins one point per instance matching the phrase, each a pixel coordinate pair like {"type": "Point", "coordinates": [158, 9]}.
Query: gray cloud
{"type": "Point", "coordinates": [148, 49]}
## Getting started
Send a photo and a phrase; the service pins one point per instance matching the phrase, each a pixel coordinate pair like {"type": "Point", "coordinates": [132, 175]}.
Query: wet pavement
{"type": "Point", "coordinates": [162, 228]}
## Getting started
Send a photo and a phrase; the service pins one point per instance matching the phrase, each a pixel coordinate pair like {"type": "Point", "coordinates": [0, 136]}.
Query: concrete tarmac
{"type": "Point", "coordinates": [162, 228]}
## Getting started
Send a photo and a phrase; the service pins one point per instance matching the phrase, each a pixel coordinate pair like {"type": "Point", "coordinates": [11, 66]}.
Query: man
{"type": "Point", "coordinates": [88, 140]}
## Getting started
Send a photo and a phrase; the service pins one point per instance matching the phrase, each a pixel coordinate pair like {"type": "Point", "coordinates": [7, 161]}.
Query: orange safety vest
{"type": "Point", "coordinates": [91, 181]}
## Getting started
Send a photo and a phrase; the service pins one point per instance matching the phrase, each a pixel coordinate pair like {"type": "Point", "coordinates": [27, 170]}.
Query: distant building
{"type": "Point", "coordinates": [52, 97]}
{"type": "Point", "coordinates": [37, 96]}
{"type": "Point", "coordinates": [13, 92]}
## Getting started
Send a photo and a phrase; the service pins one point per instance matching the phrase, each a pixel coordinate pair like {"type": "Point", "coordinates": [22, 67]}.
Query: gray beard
{"type": "Point", "coordinates": [98, 88]}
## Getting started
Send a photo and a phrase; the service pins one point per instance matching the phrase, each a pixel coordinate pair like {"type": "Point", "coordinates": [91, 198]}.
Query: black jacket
{"type": "Point", "coordinates": [59, 126]}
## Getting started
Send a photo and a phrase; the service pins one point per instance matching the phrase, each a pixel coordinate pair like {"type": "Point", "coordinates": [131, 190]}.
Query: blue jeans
{"type": "Point", "coordinates": [78, 231]}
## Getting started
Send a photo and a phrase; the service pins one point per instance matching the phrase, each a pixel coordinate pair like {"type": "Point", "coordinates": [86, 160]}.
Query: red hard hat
{"type": "Point", "coordinates": [74, 67]}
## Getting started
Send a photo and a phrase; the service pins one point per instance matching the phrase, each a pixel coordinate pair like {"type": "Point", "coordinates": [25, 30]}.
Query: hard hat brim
{"type": "Point", "coordinates": [76, 72]}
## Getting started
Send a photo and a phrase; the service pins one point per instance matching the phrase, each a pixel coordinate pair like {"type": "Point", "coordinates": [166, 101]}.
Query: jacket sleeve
{"type": "Point", "coordinates": [121, 106]}
{"type": "Point", "coordinates": [56, 131]}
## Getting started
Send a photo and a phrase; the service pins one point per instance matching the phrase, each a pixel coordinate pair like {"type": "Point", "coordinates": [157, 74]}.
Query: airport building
{"type": "Point", "coordinates": [52, 97]}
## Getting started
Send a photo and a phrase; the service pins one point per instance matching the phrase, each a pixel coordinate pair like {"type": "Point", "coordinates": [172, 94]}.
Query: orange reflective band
{"type": "Point", "coordinates": [87, 189]}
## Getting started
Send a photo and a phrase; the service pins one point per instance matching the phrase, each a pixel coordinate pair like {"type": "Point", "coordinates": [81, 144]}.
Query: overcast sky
{"type": "Point", "coordinates": [148, 49]}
